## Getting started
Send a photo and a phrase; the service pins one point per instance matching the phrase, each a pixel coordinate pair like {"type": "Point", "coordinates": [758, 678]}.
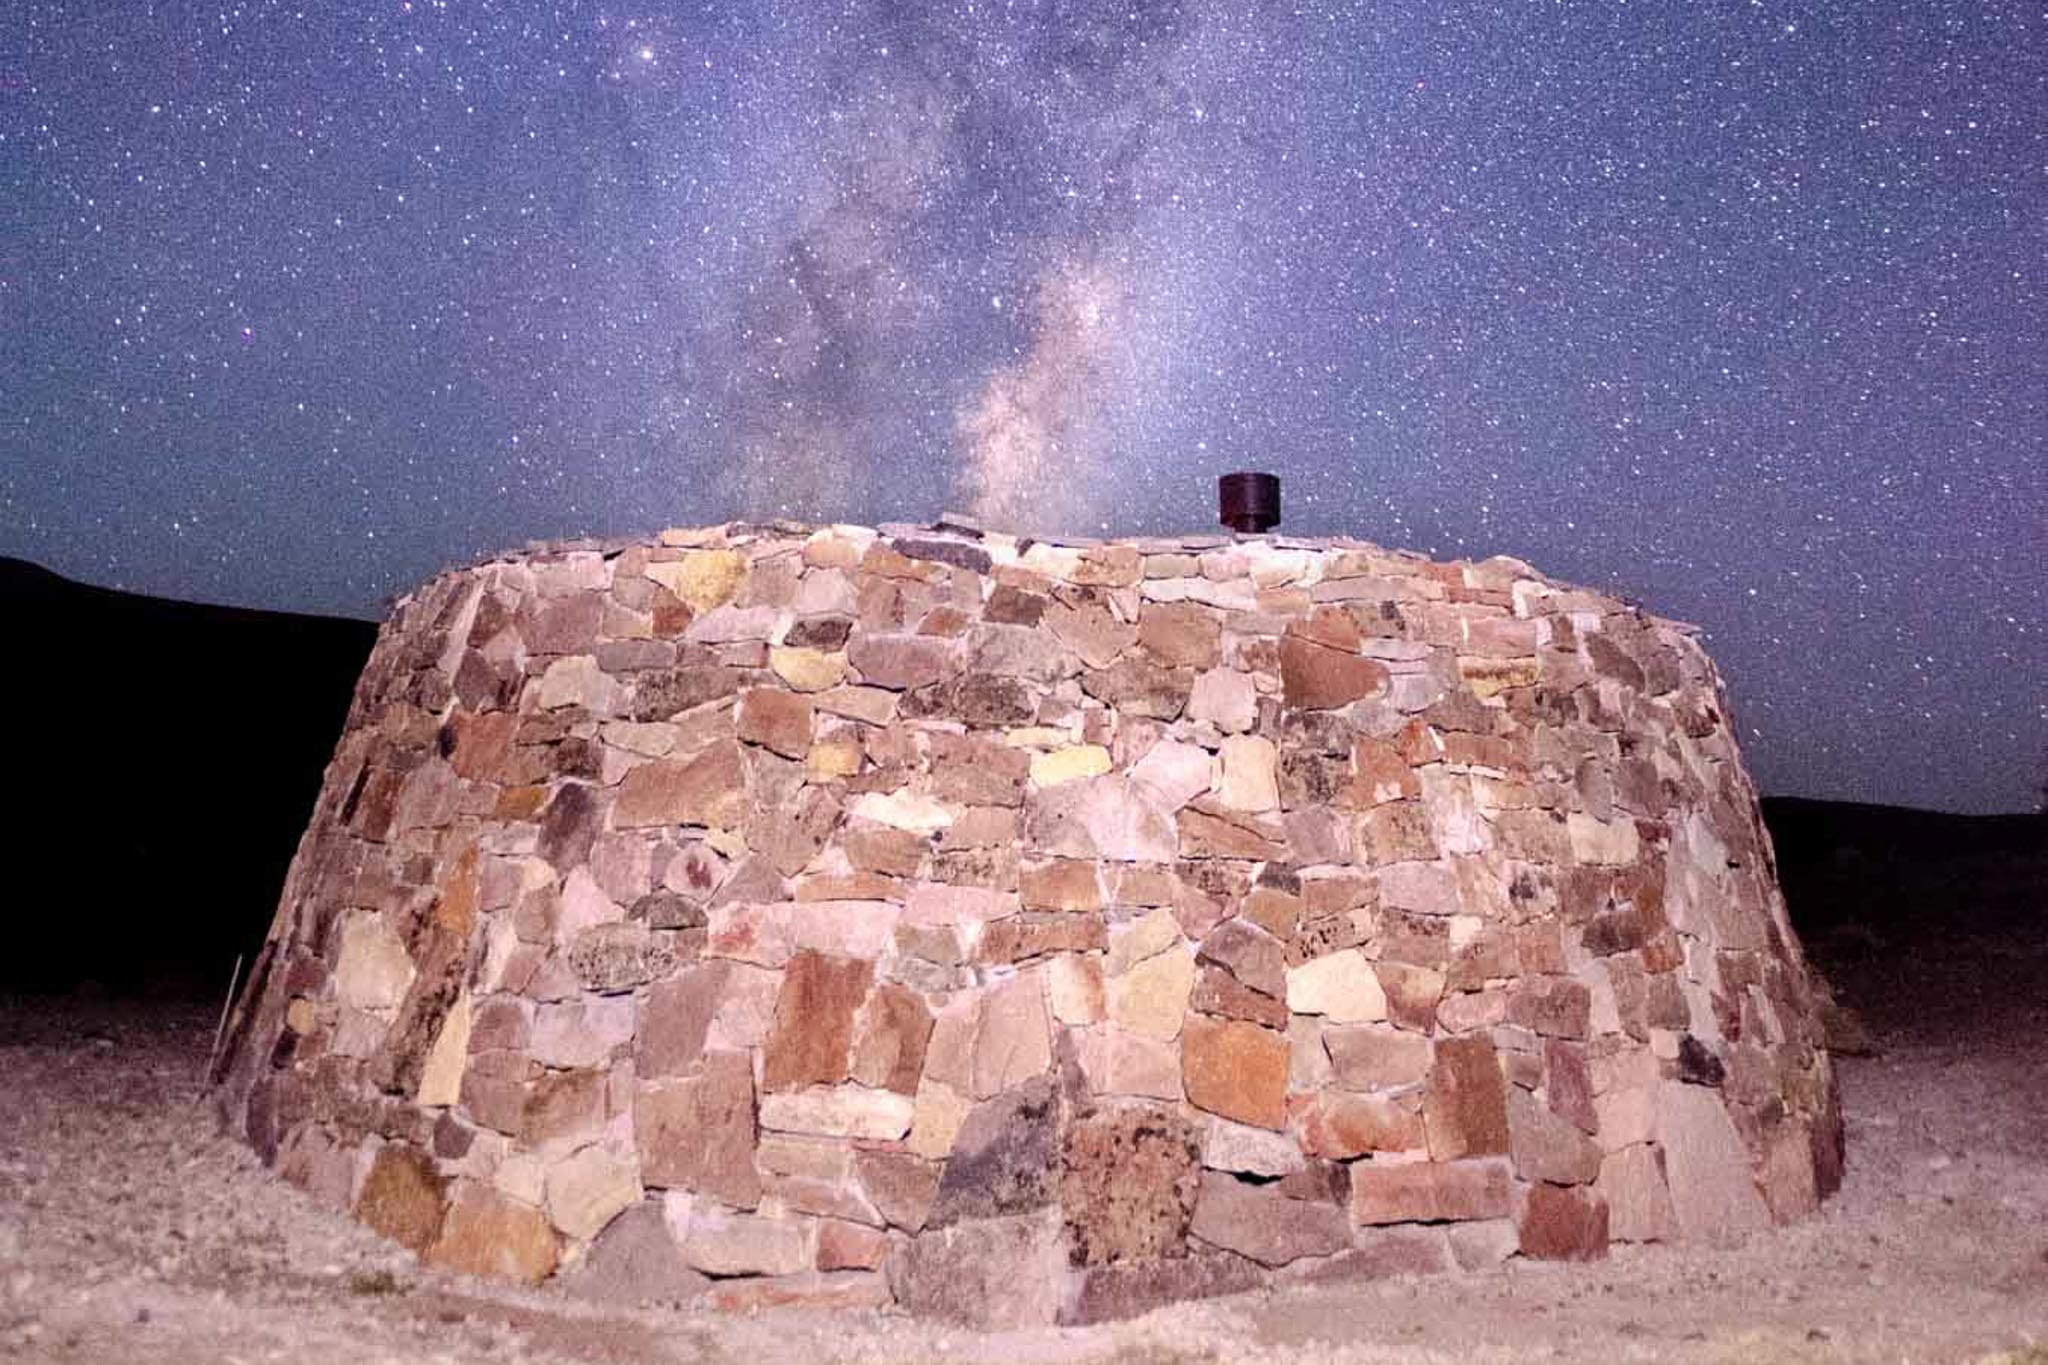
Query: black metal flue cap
{"type": "Point", "coordinates": [1248, 502]}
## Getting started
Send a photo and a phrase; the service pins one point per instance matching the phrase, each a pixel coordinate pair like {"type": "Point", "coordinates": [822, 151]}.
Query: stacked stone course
{"type": "Point", "coordinates": [1027, 931]}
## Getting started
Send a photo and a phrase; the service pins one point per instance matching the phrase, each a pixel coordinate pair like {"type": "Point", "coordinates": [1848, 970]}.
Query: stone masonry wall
{"type": "Point", "coordinates": [1020, 931]}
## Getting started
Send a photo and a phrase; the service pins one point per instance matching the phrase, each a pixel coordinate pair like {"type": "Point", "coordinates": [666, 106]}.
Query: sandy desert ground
{"type": "Point", "coordinates": [131, 1231]}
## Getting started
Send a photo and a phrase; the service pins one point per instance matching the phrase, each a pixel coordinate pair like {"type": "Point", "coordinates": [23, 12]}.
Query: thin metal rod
{"type": "Point", "coordinates": [213, 1053]}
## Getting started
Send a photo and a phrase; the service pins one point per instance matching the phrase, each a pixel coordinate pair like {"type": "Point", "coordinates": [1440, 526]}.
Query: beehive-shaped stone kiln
{"type": "Point", "coordinates": [1024, 931]}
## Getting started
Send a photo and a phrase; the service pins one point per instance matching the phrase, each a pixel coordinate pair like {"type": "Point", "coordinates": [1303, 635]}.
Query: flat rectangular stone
{"type": "Point", "coordinates": [1379, 1253]}
{"type": "Point", "coordinates": [1119, 1063]}
{"type": "Point", "coordinates": [1377, 1058]}
{"type": "Point", "coordinates": [826, 1290]}
{"type": "Point", "coordinates": [1105, 1293]}
{"type": "Point", "coordinates": [719, 1242]}
{"type": "Point", "coordinates": [848, 1111]}
{"type": "Point", "coordinates": [871, 705]}
{"type": "Point", "coordinates": [1228, 1146]}
{"type": "Point", "coordinates": [1430, 1192]}
{"type": "Point", "coordinates": [1260, 1222]}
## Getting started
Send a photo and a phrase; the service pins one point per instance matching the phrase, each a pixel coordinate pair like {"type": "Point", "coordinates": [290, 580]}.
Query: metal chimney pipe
{"type": "Point", "coordinates": [1248, 502]}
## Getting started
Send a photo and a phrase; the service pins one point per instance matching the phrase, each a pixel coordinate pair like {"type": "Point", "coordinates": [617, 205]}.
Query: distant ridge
{"type": "Point", "coordinates": [1813, 829]}
{"type": "Point", "coordinates": [21, 575]}
{"type": "Point", "coordinates": [1862, 879]}
{"type": "Point", "coordinates": [26, 580]}
{"type": "Point", "coordinates": [165, 756]}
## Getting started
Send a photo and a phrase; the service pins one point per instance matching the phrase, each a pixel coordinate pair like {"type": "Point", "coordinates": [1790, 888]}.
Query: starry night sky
{"type": "Point", "coordinates": [1733, 306]}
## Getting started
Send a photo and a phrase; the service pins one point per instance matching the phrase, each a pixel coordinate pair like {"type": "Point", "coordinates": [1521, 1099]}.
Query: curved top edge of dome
{"type": "Point", "coordinates": [927, 541]}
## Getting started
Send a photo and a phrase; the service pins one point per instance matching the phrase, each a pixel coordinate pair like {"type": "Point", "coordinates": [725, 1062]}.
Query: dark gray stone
{"type": "Point", "coordinates": [960, 555]}
{"type": "Point", "coordinates": [994, 1273]}
{"type": "Point", "coordinates": [570, 825]}
{"type": "Point", "coordinates": [1109, 1292]}
{"type": "Point", "coordinates": [1004, 1157]}
{"type": "Point", "coordinates": [635, 1260]}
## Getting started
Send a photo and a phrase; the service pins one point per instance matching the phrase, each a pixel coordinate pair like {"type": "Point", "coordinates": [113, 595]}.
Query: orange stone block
{"type": "Point", "coordinates": [708, 789]}
{"type": "Point", "coordinates": [1317, 678]}
{"type": "Point", "coordinates": [487, 1233]}
{"type": "Point", "coordinates": [814, 1021]}
{"type": "Point", "coordinates": [1235, 1069]}
{"type": "Point", "coordinates": [777, 720]}
{"type": "Point", "coordinates": [1061, 884]}
{"type": "Point", "coordinates": [403, 1196]}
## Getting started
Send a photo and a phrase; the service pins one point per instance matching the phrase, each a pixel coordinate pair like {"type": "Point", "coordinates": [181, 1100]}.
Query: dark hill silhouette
{"type": "Point", "coordinates": [1843, 863]}
{"type": "Point", "coordinates": [1924, 921]}
{"type": "Point", "coordinates": [165, 757]}
{"type": "Point", "coordinates": [1840, 830]}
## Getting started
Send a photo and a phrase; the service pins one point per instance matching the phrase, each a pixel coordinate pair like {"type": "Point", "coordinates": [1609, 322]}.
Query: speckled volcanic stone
{"type": "Point", "coordinates": [1020, 931]}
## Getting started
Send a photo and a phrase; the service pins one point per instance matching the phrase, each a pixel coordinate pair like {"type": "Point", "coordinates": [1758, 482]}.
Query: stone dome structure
{"type": "Point", "coordinates": [1025, 931]}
